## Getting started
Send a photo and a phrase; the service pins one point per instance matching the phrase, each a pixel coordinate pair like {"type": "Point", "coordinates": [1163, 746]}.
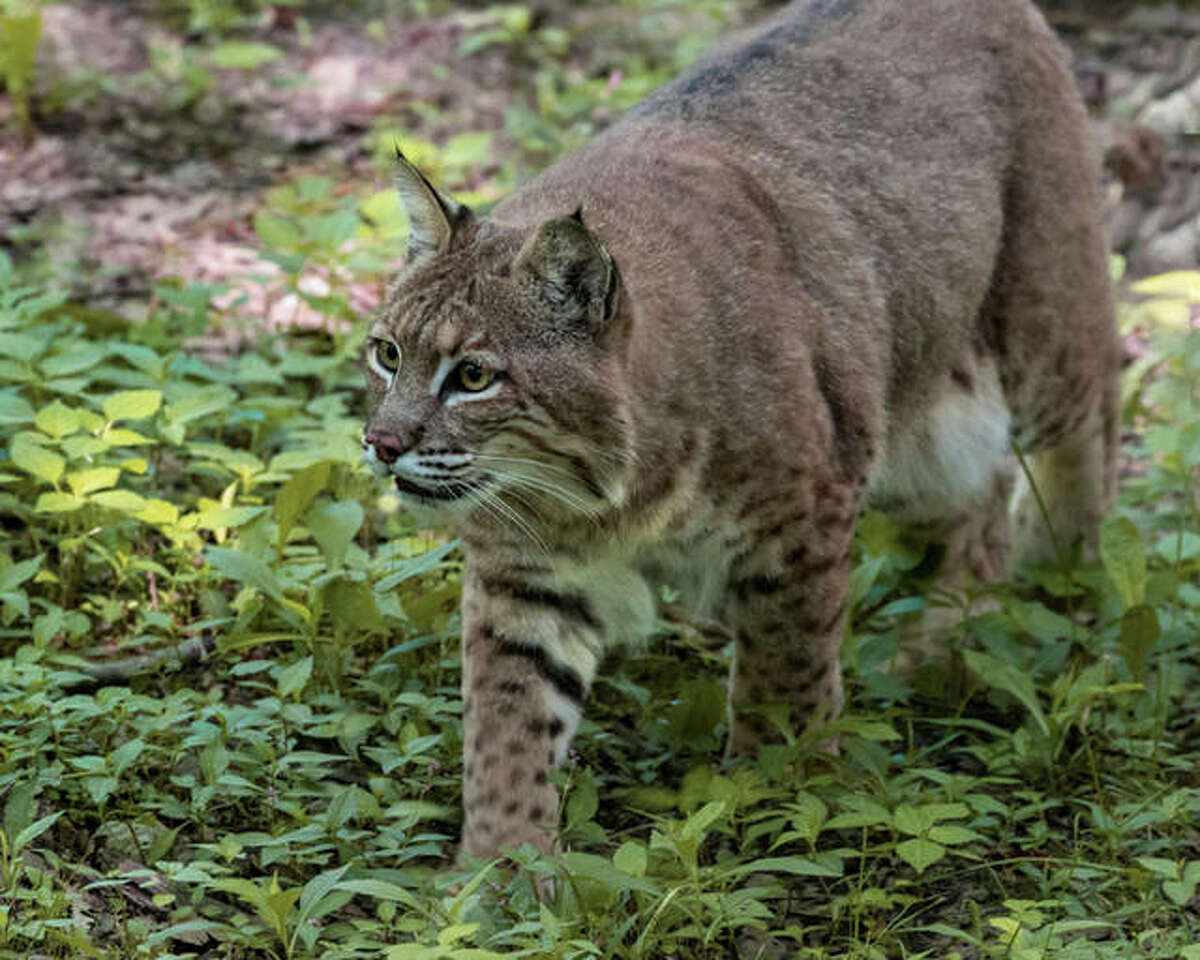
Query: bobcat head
{"type": "Point", "coordinates": [492, 368]}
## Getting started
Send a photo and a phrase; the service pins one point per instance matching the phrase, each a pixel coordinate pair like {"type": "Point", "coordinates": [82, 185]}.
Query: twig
{"type": "Point", "coordinates": [187, 653]}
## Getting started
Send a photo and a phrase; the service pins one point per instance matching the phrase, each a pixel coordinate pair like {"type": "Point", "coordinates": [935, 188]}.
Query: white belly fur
{"type": "Point", "coordinates": [948, 460]}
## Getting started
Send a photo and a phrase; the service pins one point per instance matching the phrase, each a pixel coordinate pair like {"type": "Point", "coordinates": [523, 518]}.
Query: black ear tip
{"type": "Point", "coordinates": [577, 216]}
{"type": "Point", "coordinates": [399, 153]}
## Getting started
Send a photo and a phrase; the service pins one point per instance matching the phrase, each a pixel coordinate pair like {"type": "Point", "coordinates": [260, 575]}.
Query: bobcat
{"type": "Point", "coordinates": [848, 263]}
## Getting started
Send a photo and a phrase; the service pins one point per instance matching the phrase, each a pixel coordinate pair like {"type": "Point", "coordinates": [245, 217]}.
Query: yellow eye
{"type": "Point", "coordinates": [387, 355]}
{"type": "Point", "coordinates": [474, 376]}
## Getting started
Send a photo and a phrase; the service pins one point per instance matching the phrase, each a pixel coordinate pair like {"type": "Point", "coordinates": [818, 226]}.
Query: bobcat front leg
{"type": "Point", "coordinates": [789, 597]}
{"type": "Point", "coordinates": [529, 657]}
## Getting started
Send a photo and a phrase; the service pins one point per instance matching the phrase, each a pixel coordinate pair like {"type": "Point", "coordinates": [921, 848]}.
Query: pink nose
{"type": "Point", "coordinates": [388, 446]}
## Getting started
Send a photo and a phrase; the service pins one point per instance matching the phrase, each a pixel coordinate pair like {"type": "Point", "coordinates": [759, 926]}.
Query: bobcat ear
{"type": "Point", "coordinates": [432, 217]}
{"type": "Point", "coordinates": [572, 269]}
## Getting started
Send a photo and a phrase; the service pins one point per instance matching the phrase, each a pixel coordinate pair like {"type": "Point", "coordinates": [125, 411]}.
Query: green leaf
{"type": "Point", "coordinates": [920, 854]}
{"type": "Point", "coordinates": [21, 807]}
{"type": "Point", "coordinates": [293, 678]}
{"type": "Point", "coordinates": [1181, 891]}
{"type": "Point", "coordinates": [1124, 558]}
{"type": "Point", "coordinates": [220, 518]}
{"type": "Point", "coordinates": [243, 56]}
{"type": "Point", "coordinates": [276, 232]}
{"type": "Point", "coordinates": [808, 816]}
{"type": "Point", "coordinates": [316, 890]}
{"type": "Point", "coordinates": [296, 495]}
{"type": "Point", "coordinates": [84, 482]}
{"type": "Point", "coordinates": [37, 460]}
{"type": "Point", "coordinates": [244, 568]}
{"type": "Point", "coordinates": [333, 526]}
{"type": "Point", "coordinates": [15, 409]}
{"type": "Point", "coordinates": [630, 857]}
{"type": "Point", "coordinates": [796, 866]}
{"type": "Point", "coordinates": [132, 404]}
{"type": "Point", "coordinates": [124, 500]}
{"type": "Point", "coordinates": [994, 672]}
{"type": "Point", "coordinates": [126, 754]}
{"type": "Point", "coordinates": [16, 574]}
{"type": "Point", "coordinates": [1139, 633]}
{"type": "Point", "coordinates": [33, 831]}
{"type": "Point", "coordinates": [58, 420]}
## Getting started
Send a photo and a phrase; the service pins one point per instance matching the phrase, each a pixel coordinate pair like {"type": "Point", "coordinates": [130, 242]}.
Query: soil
{"type": "Point", "coordinates": [143, 167]}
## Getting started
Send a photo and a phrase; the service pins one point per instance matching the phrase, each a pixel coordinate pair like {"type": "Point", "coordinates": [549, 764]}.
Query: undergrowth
{"type": "Point", "coordinates": [272, 769]}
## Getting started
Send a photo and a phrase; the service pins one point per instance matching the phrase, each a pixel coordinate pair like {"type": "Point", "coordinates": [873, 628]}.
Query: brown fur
{"type": "Point", "coordinates": [820, 270]}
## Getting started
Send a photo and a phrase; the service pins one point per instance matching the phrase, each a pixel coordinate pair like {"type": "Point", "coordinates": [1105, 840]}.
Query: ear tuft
{"type": "Point", "coordinates": [572, 269]}
{"type": "Point", "coordinates": [433, 218]}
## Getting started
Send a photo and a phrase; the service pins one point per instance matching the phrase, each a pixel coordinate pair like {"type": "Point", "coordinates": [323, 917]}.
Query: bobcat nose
{"type": "Point", "coordinates": [388, 446]}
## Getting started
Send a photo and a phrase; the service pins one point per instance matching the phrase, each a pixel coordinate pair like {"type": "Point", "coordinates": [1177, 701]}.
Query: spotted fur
{"type": "Point", "coordinates": [847, 262]}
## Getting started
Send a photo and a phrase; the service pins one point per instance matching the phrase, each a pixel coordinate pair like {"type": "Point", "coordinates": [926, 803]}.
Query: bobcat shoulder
{"type": "Point", "coordinates": [847, 263]}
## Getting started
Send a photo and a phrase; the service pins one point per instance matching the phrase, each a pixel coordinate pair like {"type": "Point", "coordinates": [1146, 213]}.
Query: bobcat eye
{"type": "Point", "coordinates": [387, 356]}
{"type": "Point", "coordinates": [474, 376]}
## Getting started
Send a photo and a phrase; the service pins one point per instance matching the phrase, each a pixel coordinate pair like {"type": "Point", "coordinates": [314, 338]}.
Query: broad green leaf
{"type": "Point", "coordinates": [57, 503]}
{"type": "Point", "coordinates": [84, 482]}
{"type": "Point", "coordinates": [57, 419]}
{"type": "Point", "coordinates": [33, 831]}
{"type": "Point", "coordinates": [132, 404]}
{"type": "Point", "coordinates": [630, 857]}
{"type": "Point", "coordinates": [1179, 283]}
{"type": "Point", "coordinates": [1139, 633]}
{"type": "Point", "coordinates": [120, 437]}
{"type": "Point", "coordinates": [796, 866]}
{"type": "Point", "coordinates": [200, 402]}
{"type": "Point", "coordinates": [808, 815]}
{"type": "Point", "coordinates": [243, 56]}
{"type": "Point", "coordinates": [159, 512]}
{"type": "Point", "coordinates": [952, 835]}
{"type": "Point", "coordinates": [126, 754]}
{"type": "Point", "coordinates": [316, 890]}
{"type": "Point", "coordinates": [994, 672]}
{"type": "Point", "coordinates": [37, 460]}
{"type": "Point", "coordinates": [1183, 890]}
{"type": "Point", "coordinates": [220, 518]}
{"type": "Point", "coordinates": [863, 812]}
{"type": "Point", "coordinates": [15, 409]}
{"type": "Point", "coordinates": [124, 500]}
{"type": "Point", "coordinates": [16, 574]}
{"type": "Point", "coordinates": [292, 679]}
{"type": "Point", "coordinates": [20, 807]}
{"type": "Point", "coordinates": [1124, 558]}
{"type": "Point", "coordinates": [275, 231]}
{"type": "Point", "coordinates": [333, 526]}
{"type": "Point", "coordinates": [352, 605]}
{"type": "Point", "coordinates": [244, 568]}
{"type": "Point", "coordinates": [920, 854]}
{"type": "Point", "coordinates": [296, 495]}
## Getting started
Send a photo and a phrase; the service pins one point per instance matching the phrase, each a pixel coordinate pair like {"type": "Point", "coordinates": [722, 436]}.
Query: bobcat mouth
{"type": "Point", "coordinates": [444, 491]}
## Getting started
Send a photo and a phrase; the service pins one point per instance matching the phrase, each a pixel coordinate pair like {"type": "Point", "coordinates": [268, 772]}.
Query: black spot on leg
{"type": "Point", "coordinates": [540, 777]}
{"type": "Point", "coordinates": [515, 748]}
{"type": "Point", "coordinates": [550, 757]}
{"type": "Point", "coordinates": [511, 808]}
{"type": "Point", "coordinates": [535, 727]}
{"type": "Point", "coordinates": [963, 379]}
{"type": "Point", "coordinates": [556, 727]}
{"type": "Point", "coordinates": [536, 812]}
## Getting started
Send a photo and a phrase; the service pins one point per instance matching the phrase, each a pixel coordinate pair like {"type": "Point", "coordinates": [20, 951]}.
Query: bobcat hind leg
{"type": "Point", "coordinates": [1076, 480]}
